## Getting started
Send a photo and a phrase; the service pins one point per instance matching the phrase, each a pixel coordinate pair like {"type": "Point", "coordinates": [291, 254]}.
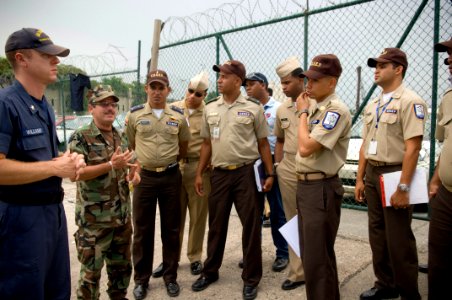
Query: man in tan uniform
{"type": "Point", "coordinates": [193, 106]}
{"type": "Point", "coordinates": [235, 135]}
{"type": "Point", "coordinates": [159, 134]}
{"type": "Point", "coordinates": [440, 230]}
{"type": "Point", "coordinates": [392, 136]}
{"type": "Point", "coordinates": [286, 131]}
{"type": "Point", "coordinates": [323, 136]}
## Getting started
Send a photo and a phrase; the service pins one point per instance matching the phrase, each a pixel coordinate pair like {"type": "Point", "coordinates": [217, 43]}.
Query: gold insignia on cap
{"type": "Point", "coordinates": [316, 64]}
{"type": "Point", "coordinates": [383, 52]}
{"type": "Point", "coordinates": [228, 62]}
{"type": "Point", "coordinates": [157, 74]}
{"type": "Point", "coordinates": [38, 33]}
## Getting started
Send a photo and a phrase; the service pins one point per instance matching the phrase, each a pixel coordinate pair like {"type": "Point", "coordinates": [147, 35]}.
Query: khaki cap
{"type": "Point", "coordinates": [102, 92]}
{"type": "Point", "coordinates": [288, 66]}
{"type": "Point", "coordinates": [200, 82]}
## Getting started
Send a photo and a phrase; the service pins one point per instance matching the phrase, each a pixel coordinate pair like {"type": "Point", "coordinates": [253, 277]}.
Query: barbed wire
{"type": "Point", "coordinates": [233, 15]}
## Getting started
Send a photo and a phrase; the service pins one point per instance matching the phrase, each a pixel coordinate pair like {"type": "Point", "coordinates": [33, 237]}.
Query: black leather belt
{"type": "Point", "coordinates": [234, 167]}
{"type": "Point", "coordinates": [376, 163]}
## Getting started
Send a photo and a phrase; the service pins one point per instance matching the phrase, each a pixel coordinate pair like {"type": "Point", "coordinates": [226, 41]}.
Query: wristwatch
{"type": "Point", "coordinates": [303, 111]}
{"type": "Point", "coordinates": [403, 187]}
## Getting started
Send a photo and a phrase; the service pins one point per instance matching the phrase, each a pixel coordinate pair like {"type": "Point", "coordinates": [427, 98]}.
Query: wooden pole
{"type": "Point", "coordinates": [155, 45]}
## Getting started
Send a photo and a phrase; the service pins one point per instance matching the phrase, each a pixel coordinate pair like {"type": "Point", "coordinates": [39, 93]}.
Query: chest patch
{"type": "Point", "coordinates": [391, 111]}
{"type": "Point", "coordinates": [145, 122]}
{"type": "Point", "coordinates": [419, 111]}
{"type": "Point", "coordinates": [244, 113]}
{"type": "Point", "coordinates": [34, 131]}
{"type": "Point", "coordinates": [330, 120]}
{"type": "Point", "coordinates": [268, 115]}
{"type": "Point", "coordinates": [172, 123]}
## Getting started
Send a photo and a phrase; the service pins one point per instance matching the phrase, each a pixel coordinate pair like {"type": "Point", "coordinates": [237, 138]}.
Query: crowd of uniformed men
{"type": "Point", "coordinates": [199, 155]}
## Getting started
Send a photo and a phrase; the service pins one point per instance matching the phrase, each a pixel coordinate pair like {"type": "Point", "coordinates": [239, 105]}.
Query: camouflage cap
{"type": "Point", "coordinates": [394, 55]}
{"type": "Point", "coordinates": [102, 92]}
{"type": "Point", "coordinates": [199, 82]}
{"type": "Point", "coordinates": [323, 65]}
{"type": "Point", "coordinates": [288, 66]}
{"type": "Point", "coordinates": [32, 38]}
{"type": "Point", "coordinates": [232, 67]}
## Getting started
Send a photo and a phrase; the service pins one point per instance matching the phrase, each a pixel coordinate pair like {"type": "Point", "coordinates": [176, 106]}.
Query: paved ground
{"type": "Point", "coordinates": [352, 251]}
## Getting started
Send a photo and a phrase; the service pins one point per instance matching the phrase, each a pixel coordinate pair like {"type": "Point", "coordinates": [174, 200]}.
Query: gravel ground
{"type": "Point", "coordinates": [352, 252]}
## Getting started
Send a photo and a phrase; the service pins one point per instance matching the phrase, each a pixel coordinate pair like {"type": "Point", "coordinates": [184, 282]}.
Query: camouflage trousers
{"type": "Point", "coordinates": [96, 245]}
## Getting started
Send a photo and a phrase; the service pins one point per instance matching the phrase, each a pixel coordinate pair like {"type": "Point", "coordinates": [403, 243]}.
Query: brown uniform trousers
{"type": "Point", "coordinates": [440, 246]}
{"type": "Point", "coordinates": [164, 187]}
{"type": "Point", "coordinates": [391, 239]}
{"type": "Point", "coordinates": [319, 207]}
{"type": "Point", "coordinates": [239, 187]}
{"type": "Point", "coordinates": [197, 208]}
{"type": "Point", "coordinates": [287, 179]}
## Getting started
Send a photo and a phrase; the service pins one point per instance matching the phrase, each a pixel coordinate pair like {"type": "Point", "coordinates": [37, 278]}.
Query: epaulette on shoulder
{"type": "Point", "coordinates": [212, 100]}
{"type": "Point", "coordinates": [136, 107]}
{"type": "Point", "coordinates": [178, 109]}
{"type": "Point", "coordinates": [253, 100]}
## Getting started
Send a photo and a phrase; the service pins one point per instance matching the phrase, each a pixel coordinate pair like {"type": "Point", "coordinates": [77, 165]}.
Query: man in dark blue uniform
{"type": "Point", "coordinates": [34, 255]}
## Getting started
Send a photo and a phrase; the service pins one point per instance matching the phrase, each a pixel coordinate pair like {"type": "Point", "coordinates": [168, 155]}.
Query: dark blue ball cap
{"type": "Point", "coordinates": [256, 76]}
{"type": "Point", "coordinates": [32, 38]}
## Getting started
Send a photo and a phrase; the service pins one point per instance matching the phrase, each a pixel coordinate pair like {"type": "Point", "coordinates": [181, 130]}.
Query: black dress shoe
{"type": "Point", "coordinates": [280, 264]}
{"type": "Point", "coordinates": [172, 289]}
{"type": "Point", "coordinates": [202, 283]}
{"type": "Point", "coordinates": [241, 263]}
{"type": "Point", "coordinates": [158, 272]}
{"type": "Point", "coordinates": [249, 292]}
{"type": "Point", "coordinates": [140, 291]}
{"type": "Point", "coordinates": [377, 294]}
{"type": "Point", "coordinates": [290, 285]}
{"type": "Point", "coordinates": [196, 268]}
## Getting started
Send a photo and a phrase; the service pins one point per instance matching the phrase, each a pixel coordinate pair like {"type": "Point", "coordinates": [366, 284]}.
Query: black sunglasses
{"type": "Point", "coordinates": [197, 94]}
{"type": "Point", "coordinates": [105, 104]}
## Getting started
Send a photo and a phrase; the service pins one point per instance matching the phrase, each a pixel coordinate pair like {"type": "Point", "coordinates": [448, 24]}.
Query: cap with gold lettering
{"type": "Point", "coordinates": [32, 38]}
{"type": "Point", "coordinates": [200, 82]}
{"type": "Point", "coordinates": [157, 76]}
{"type": "Point", "coordinates": [323, 65]}
{"type": "Point", "coordinates": [394, 55]}
{"type": "Point", "coordinates": [288, 66]}
{"type": "Point", "coordinates": [231, 67]}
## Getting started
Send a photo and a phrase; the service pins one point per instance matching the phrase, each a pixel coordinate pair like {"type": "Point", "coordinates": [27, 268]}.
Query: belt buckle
{"type": "Point", "coordinates": [231, 167]}
{"type": "Point", "coordinates": [160, 169]}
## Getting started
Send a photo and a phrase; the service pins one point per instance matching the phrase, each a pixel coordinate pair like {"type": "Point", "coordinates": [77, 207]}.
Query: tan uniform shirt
{"type": "Point", "coordinates": [329, 124]}
{"type": "Point", "coordinates": [403, 118]}
{"type": "Point", "coordinates": [286, 126]}
{"type": "Point", "coordinates": [444, 134]}
{"type": "Point", "coordinates": [194, 121]}
{"type": "Point", "coordinates": [156, 140]}
{"type": "Point", "coordinates": [234, 130]}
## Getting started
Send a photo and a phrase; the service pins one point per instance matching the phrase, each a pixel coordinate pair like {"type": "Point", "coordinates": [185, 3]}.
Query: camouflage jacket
{"type": "Point", "coordinates": [102, 201]}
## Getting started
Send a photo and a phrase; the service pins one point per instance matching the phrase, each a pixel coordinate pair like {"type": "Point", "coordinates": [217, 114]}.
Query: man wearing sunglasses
{"type": "Point", "coordinates": [102, 210]}
{"type": "Point", "coordinates": [159, 134]}
{"type": "Point", "coordinates": [193, 107]}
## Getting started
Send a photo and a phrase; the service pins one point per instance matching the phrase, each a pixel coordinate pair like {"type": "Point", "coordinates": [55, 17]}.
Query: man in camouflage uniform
{"type": "Point", "coordinates": [103, 205]}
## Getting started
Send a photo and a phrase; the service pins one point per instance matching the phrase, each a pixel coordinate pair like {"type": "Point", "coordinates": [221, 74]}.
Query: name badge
{"type": "Point", "coordinates": [372, 148]}
{"type": "Point", "coordinates": [171, 123]}
{"type": "Point", "coordinates": [34, 131]}
{"type": "Point", "coordinates": [216, 133]}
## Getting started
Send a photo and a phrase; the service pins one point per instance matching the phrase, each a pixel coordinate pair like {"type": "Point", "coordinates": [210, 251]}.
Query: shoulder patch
{"type": "Point", "coordinates": [178, 109]}
{"type": "Point", "coordinates": [136, 107]}
{"type": "Point", "coordinates": [212, 100]}
{"type": "Point", "coordinates": [330, 120]}
{"type": "Point", "coordinates": [253, 100]}
{"type": "Point", "coordinates": [419, 111]}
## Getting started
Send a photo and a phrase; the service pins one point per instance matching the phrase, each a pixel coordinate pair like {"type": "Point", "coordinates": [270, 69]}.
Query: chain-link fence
{"type": "Point", "coordinates": [353, 30]}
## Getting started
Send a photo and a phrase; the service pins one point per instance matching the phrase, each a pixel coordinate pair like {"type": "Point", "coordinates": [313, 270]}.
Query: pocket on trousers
{"type": "Point", "coordinates": [313, 196]}
{"type": "Point", "coordinates": [86, 248]}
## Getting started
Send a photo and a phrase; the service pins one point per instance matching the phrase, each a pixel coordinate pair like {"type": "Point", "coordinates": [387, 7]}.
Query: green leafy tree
{"type": "Point", "coordinates": [6, 73]}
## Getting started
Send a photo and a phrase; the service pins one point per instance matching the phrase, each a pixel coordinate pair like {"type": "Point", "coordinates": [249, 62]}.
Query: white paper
{"type": "Point", "coordinates": [259, 174]}
{"type": "Point", "coordinates": [290, 232]}
{"type": "Point", "coordinates": [418, 186]}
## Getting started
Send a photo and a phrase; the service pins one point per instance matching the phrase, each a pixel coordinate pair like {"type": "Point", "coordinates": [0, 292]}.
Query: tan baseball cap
{"type": "Point", "coordinates": [288, 66]}
{"type": "Point", "coordinates": [199, 82]}
{"type": "Point", "coordinates": [323, 65]}
{"type": "Point", "coordinates": [389, 55]}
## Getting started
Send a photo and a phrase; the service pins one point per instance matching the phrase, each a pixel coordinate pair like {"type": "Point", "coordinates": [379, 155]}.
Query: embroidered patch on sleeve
{"type": "Point", "coordinates": [419, 111]}
{"type": "Point", "coordinates": [330, 120]}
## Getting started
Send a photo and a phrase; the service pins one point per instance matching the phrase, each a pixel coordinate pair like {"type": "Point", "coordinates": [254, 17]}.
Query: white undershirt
{"type": "Point", "coordinates": [387, 96]}
{"type": "Point", "coordinates": [157, 112]}
{"type": "Point", "coordinates": [190, 111]}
